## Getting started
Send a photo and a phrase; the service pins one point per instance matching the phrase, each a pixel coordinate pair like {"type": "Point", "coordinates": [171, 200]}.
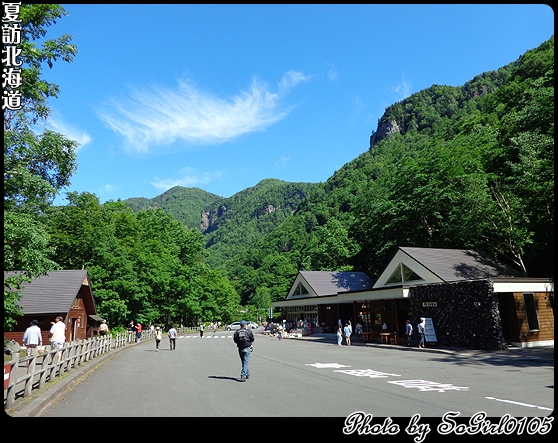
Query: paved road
{"type": "Point", "coordinates": [309, 377]}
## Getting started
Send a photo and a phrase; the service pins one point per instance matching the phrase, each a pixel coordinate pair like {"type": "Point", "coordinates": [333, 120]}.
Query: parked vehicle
{"type": "Point", "coordinates": [236, 325]}
{"type": "Point", "coordinates": [233, 326]}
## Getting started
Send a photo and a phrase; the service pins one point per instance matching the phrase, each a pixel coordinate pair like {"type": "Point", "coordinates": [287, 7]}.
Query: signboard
{"type": "Point", "coordinates": [429, 304]}
{"type": "Point", "coordinates": [429, 332]}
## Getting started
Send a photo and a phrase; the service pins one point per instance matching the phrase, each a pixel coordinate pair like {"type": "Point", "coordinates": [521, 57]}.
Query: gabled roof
{"type": "Point", "coordinates": [430, 265]}
{"type": "Point", "coordinates": [54, 293]}
{"type": "Point", "coordinates": [325, 283]}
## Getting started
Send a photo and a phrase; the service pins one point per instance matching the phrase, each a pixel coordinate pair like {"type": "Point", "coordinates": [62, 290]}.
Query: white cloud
{"type": "Point", "coordinates": [57, 124]}
{"type": "Point", "coordinates": [160, 116]}
{"type": "Point", "coordinates": [189, 178]}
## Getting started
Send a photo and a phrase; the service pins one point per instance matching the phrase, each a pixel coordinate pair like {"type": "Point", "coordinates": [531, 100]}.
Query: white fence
{"type": "Point", "coordinates": [23, 375]}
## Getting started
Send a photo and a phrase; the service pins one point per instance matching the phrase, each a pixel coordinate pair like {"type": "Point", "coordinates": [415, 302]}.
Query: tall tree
{"type": "Point", "coordinates": [36, 165]}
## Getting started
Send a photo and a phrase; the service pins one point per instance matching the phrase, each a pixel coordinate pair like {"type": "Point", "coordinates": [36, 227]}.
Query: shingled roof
{"type": "Point", "coordinates": [458, 264]}
{"type": "Point", "coordinates": [53, 293]}
{"type": "Point", "coordinates": [325, 283]}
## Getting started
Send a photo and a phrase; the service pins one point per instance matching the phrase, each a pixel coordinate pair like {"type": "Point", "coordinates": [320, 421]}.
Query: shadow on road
{"type": "Point", "coordinates": [222, 377]}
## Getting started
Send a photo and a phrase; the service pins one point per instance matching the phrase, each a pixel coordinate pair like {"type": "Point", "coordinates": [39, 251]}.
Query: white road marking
{"type": "Point", "coordinates": [327, 365]}
{"type": "Point", "coordinates": [367, 373]}
{"type": "Point", "coordinates": [519, 403]}
{"type": "Point", "coordinates": [425, 385]}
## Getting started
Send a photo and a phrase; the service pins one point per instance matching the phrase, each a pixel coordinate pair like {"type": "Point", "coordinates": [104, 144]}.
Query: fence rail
{"type": "Point", "coordinates": [23, 375]}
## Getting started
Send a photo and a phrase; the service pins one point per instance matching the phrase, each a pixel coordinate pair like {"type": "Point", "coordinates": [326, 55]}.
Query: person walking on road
{"type": "Point", "coordinates": [201, 330]}
{"type": "Point", "coordinates": [172, 338]}
{"type": "Point", "coordinates": [421, 329]}
{"type": "Point", "coordinates": [347, 334]}
{"type": "Point", "coordinates": [158, 337]}
{"type": "Point", "coordinates": [244, 338]}
{"type": "Point", "coordinates": [339, 335]}
{"type": "Point", "coordinates": [32, 338]}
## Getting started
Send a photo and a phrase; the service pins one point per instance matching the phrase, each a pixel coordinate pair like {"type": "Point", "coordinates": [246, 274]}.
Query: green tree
{"type": "Point", "coordinates": [36, 165]}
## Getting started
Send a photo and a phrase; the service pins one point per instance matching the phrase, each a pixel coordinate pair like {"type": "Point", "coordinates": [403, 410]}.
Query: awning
{"type": "Point", "coordinates": [96, 317]}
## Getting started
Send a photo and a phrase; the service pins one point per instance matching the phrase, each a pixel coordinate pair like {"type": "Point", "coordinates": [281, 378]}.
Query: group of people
{"type": "Point", "coordinates": [214, 325]}
{"type": "Point", "coordinates": [134, 331]}
{"type": "Point", "coordinates": [421, 331]}
{"type": "Point", "coordinates": [172, 333]}
{"type": "Point", "coordinates": [32, 337]}
{"type": "Point", "coordinates": [345, 332]}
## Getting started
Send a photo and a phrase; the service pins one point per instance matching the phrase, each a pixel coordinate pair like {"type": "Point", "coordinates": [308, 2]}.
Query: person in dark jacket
{"type": "Point", "coordinates": [244, 338]}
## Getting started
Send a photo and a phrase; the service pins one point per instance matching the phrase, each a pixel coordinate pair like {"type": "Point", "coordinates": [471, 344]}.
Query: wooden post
{"type": "Point", "coordinates": [30, 373]}
{"type": "Point", "coordinates": [13, 378]}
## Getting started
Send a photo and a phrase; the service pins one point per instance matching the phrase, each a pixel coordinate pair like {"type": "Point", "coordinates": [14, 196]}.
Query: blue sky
{"type": "Point", "coordinates": [220, 97]}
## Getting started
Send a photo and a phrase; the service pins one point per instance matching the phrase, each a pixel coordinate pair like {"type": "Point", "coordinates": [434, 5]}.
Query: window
{"type": "Point", "coordinates": [531, 312]}
{"type": "Point", "coordinates": [402, 274]}
{"type": "Point", "coordinates": [300, 290]}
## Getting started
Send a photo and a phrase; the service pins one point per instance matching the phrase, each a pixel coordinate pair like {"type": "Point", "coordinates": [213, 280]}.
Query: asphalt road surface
{"type": "Point", "coordinates": [304, 378]}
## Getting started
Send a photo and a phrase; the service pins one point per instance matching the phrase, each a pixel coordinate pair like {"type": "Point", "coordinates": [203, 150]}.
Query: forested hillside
{"type": "Point", "coordinates": [449, 167]}
{"type": "Point", "coordinates": [230, 225]}
{"type": "Point", "coordinates": [233, 224]}
{"type": "Point", "coordinates": [185, 204]}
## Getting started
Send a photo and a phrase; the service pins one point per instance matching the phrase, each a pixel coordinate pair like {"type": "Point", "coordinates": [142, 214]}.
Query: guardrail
{"type": "Point", "coordinates": [23, 375]}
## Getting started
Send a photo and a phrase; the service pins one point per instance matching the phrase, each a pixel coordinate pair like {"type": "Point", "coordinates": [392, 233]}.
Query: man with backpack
{"type": "Point", "coordinates": [244, 338]}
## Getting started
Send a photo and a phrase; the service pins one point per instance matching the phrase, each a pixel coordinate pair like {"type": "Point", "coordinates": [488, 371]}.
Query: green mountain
{"type": "Point", "coordinates": [230, 225]}
{"type": "Point", "coordinates": [185, 204]}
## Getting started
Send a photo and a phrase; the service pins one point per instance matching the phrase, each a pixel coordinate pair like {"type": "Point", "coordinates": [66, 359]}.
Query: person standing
{"type": "Point", "coordinates": [347, 333]}
{"type": "Point", "coordinates": [421, 329]}
{"type": "Point", "coordinates": [57, 335]}
{"type": "Point", "coordinates": [172, 337]}
{"type": "Point", "coordinates": [359, 330]}
{"type": "Point", "coordinates": [32, 338]}
{"type": "Point", "coordinates": [244, 338]}
{"type": "Point", "coordinates": [103, 331]}
{"type": "Point", "coordinates": [409, 333]}
{"type": "Point", "coordinates": [139, 328]}
{"type": "Point", "coordinates": [339, 335]}
{"type": "Point", "coordinates": [131, 330]}
{"type": "Point", "coordinates": [201, 330]}
{"type": "Point", "coordinates": [158, 338]}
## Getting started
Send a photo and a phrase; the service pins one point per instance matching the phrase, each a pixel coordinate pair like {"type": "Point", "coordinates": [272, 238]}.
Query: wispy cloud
{"type": "Point", "coordinates": [281, 164]}
{"type": "Point", "coordinates": [332, 74]}
{"type": "Point", "coordinates": [57, 124]}
{"type": "Point", "coordinates": [152, 117]}
{"type": "Point", "coordinates": [402, 90]}
{"type": "Point", "coordinates": [187, 177]}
